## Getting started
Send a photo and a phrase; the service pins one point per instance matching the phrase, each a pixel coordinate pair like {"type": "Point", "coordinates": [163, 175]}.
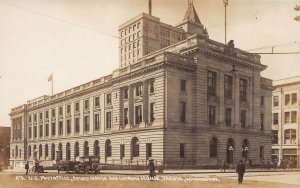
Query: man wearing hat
{"type": "Point", "coordinates": [151, 167]}
{"type": "Point", "coordinates": [240, 169]}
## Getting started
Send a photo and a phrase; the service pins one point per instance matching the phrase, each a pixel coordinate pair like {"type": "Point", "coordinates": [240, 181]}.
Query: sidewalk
{"type": "Point", "coordinates": [167, 171]}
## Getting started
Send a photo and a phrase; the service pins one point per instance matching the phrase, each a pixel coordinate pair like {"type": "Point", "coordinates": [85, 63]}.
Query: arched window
{"type": "Point", "coordinates": [86, 148]}
{"type": "Point", "coordinates": [40, 151]}
{"type": "Point", "coordinates": [230, 150]}
{"type": "Point", "coordinates": [108, 148]}
{"type": "Point", "coordinates": [213, 147]}
{"type": "Point", "coordinates": [34, 151]}
{"type": "Point", "coordinates": [46, 150]}
{"type": "Point", "coordinates": [96, 148]}
{"type": "Point", "coordinates": [76, 150]}
{"type": "Point", "coordinates": [290, 136]}
{"type": "Point", "coordinates": [68, 151]}
{"type": "Point", "coordinates": [60, 151]}
{"type": "Point", "coordinates": [135, 147]}
{"type": "Point", "coordinates": [29, 151]}
{"type": "Point", "coordinates": [52, 152]}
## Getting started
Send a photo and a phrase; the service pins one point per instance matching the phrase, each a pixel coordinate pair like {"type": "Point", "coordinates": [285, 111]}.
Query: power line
{"type": "Point", "coordinates": [277, 53]}
{"type": "Point", "coordinates": [59, 19]}
{"type": "Point", "coordinates": [273, 46]}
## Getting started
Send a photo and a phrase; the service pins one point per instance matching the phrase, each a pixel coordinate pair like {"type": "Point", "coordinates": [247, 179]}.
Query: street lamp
{"type": "Point", "coordinates": [245, 151]}
{"type": "Point", "coordinates": [230, 154]}
{"type": "Point", "coordinates": [225, 5]}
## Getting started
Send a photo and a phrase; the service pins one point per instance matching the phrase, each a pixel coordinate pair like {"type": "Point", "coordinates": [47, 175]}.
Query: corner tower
{"type": "Point", "coordinates": [191, 23]}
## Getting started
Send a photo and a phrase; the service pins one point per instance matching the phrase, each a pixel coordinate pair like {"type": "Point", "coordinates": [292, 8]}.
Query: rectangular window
{"type": "Point", "coordinates": [287, 99]}
{"type": "Point", "coordinates": [61, 128]}
{"type": "Point", "coordinates": [34, 118]}
{"type": "Point", "coordinates": [275, 101]}
{"type": "Point", "coordinates": [138, 114]}
{"type": "Point", "coordinates": [183, 85]}
{"type": "Point", "coordinates": [182, 112]}
{"type": "Point", "coordinates": [243, 89]}
{"type": "Point", "coordinates": [152, 112]}
{"type": "Point", "coordinates": [294, 98]}
{"type": "Point", "coordinates": [77, 125]}
{"type": "Point", "coordinates": [41, 130]}
{"type": "Point", "coordinates": [182, 150]}
{"type": "Point", "coordinates": [228, 117]}
{"type": "Point", "coordinates": [108, 120]}
{"type": "Point", "coordinates": [97, 102]}
{"type": "Point", "coordinates": [151, 86]}
{"type": "Point", "coordinates": [243, 119]}
{"type": "Point", "coordinates": [275, 118]}
{"type": "Point", "coordinates": [108, 98]}
{"type": "Point", "coordinates": [148, 150]}
{"type": "Point", "coordinates": [47, 129]}
{"type": "Point", "coordinates": [47, 114]}
{"type": "Point", "coordinates": [53, 112]}
{"type": "Point", "coordinates": [274, 137]}
{"type": "Point", "coordinates": [211, 115]}
{"type": "Point", "coordinates": [34, 131]}
{"type": "Point", "coordinates": [286, 117]}
{"type": "Point", "coordinates": [262, 120]}
{"type": "Point", "coordinates": [41, 116]}
{"type": "Point", "coordinates": [211, 83]}
{"type": "Point", "coordinates": [68, 109]}
{"type": "Point", "coordinates": [77, 107]}
{"type": "Point", "coordinates": [261, 152]}
{"type": "Point", "coordinates": [262, 100]}
{"type": "Point", "coordinates": [228, 87]}
{"type": "Point", "coordinates": [126, 121]}
{"type": "Point", "coordinates": [122, 151]}
{"type": "Point", "coordinates": [53, 129]}
{"type": "Point", "coordinates": [29, 132]}
{"type": "Point", "coordinates": [29, 118]}
{"type": "Point", "coordinates": [138, 90]}
{"type": "Point", "coordinates": [86, 123]}
{"type": "Point", "coordinates": [125, 93]}
{"type": "Point", "coordinates": [60, 111]}
{"type": "Point", "coordinates": [97, 121]}
{"type": "Point", "coordinates": [294, 117]}
{"type": "Point", "coordinates": [86, 104]}
{"type": "Point", "coordinates": [68, 126]}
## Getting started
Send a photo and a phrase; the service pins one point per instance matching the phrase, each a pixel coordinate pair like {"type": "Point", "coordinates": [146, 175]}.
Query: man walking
{"type": "Point", "coordinates": [151, 167]}
{"type": "Point", "coordinates": [223, 166]}
{"type": "Point", "coordinates": [240, 169]}
{"type": "Point", "coordinates": [27, 167]}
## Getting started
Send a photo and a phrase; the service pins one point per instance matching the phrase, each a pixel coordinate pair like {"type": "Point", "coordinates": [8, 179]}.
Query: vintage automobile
{"type": "Point", "coordinates": [37, 168]}
{"type": "Point", "coordinates": [88, 164]}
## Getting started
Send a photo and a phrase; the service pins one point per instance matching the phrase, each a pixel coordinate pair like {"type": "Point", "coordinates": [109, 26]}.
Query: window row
{"type": "Point", "coordinates": [290, 136]}
{"type": "Point", "coordinates": [228, 86]}
{"type": "Point", "coordinates": [289, 99]}
{"type": "Point", "coordinates": [130, 29]}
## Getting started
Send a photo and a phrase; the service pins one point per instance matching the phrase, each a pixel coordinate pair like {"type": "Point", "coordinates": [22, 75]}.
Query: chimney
{"type": "Point", "coordinates": [150, 8]}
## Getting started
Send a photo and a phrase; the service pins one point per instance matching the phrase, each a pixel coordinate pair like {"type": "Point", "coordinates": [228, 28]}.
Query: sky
{"type": "Point", "coordinates": [75, 39]}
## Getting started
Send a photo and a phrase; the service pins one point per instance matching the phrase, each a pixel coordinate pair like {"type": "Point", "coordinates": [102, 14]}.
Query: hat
{"type": "Point", "coordinates": [241, 161]}
{"type": "Point", "coordinates": [151, 159]}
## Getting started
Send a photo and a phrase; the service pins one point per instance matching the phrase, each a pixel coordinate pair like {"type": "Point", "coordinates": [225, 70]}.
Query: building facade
{"type": "Point", "coordinates": [183, 101]}
{"type": "Point", "coordinates": [285, 124]}
{"type": "Point", "coordinates": [4, 147]}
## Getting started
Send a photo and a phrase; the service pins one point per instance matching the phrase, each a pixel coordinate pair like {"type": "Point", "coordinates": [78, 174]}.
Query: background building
{"type": "Point", "coordinates": [184, 101]}
{"type": "Point", "coordinates": [285, 128]}
{"type": "Point", "coordinates": [4, 146]}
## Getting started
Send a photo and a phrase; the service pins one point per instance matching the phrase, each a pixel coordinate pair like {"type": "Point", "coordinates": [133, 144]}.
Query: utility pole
{"type": "Point", "coordinates": [225, 5]}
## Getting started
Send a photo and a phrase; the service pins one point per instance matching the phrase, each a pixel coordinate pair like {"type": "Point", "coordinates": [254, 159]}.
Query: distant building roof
{"type": "Point", "coordinates": [191, 14]}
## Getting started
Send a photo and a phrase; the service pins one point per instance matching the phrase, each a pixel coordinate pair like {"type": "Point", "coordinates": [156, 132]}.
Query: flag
{"type": "Point", "coordinates": [50, 78]}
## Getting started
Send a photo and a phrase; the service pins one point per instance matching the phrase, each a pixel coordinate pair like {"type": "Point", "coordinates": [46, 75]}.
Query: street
{"type": "Point", "coordinates": [54, 180]}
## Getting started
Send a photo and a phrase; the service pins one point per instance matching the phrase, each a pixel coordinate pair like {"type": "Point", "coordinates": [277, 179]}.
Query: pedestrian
{"type": "Point", "coordinates": [240, 169]}
{"type": "Point", "coordinates": [223, 165]}
{"type": "Point", "coordinates": [27, 167]}
{"type": "Point", "coordinates": [151, 167]}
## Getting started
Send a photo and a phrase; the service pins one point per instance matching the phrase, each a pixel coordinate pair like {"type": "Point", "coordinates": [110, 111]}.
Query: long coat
{"type": "Point", "coordinates": [240, 169]}
{"type": "Point", "coordinates": [151, 167]}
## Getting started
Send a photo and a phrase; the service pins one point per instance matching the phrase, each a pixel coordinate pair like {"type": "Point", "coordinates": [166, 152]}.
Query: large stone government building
{"type": "Point", "coordinates": [178, 97]}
